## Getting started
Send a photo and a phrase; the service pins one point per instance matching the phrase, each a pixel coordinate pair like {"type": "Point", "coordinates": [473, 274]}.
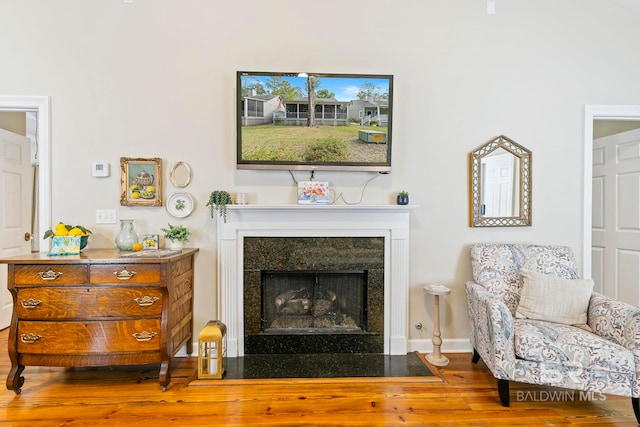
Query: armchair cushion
{"type": "Point", "coordinates": [556, 344]}
{"type": "Point", "coordinates": [554, 299]}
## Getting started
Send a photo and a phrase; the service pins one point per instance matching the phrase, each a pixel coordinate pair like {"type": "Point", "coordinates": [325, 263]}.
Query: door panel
{"type": "Point", "coordinates": [616, 216]}
{"type": "Point", "coordinates": [15, 208]}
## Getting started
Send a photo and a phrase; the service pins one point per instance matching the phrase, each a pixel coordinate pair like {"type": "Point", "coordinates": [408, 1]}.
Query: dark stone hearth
{"type": "Point", "coordinates": [258, 366]}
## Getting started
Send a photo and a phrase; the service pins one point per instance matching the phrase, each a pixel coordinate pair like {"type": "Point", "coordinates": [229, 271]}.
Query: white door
{"type": "Point", "coordinates": [498, 177]}
{"type": "Point", "coordinates": [15, 208]}
{"type": "Point", "coordinates": [615, 232]}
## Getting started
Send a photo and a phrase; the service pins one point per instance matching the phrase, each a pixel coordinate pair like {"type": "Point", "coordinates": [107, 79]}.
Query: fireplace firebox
{"type": "Point", "coordinates": [307, 302]}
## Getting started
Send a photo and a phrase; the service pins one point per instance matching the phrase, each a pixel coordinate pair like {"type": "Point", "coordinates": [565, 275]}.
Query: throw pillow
{"type": "Point", "coordinates": [554, 299]}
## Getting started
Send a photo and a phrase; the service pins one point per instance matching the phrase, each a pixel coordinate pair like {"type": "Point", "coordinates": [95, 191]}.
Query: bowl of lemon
{"type": "Point", "coordinates": [62, 229]}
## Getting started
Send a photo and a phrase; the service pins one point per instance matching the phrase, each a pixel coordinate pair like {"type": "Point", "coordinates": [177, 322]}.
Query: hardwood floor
{"type": "Point", "coordinates": [464, 394]}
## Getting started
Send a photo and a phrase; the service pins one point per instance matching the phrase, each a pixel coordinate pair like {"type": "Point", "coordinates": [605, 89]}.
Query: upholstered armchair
{"type": "Point", "coordinates": [532, 320]}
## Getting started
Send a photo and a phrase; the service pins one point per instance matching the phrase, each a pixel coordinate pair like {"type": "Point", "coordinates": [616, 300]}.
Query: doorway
{"type": "Point", "coordinates": [594, 113]}
{"type": "Point", "coordinates": [40, 105]}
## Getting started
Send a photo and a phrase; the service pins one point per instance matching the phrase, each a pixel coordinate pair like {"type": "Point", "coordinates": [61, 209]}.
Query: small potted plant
{"type": "Point", "coordinates": [176, 235]}
{"type": "Point", "coordinates": [403, 198]}
{"type": "Point", "coordinates": [218, 201]}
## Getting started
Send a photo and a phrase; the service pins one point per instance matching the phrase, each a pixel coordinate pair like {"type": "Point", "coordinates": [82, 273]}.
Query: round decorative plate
{"type": "Point", "coordinates": [180, 205]}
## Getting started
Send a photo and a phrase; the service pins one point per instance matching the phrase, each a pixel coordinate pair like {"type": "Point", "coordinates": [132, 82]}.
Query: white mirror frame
{"type": "Point", "coordinates": [476, 219]}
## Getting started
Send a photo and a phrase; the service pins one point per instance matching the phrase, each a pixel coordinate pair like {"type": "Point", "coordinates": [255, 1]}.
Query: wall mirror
{"type": "Point", "coordinates": [180, 174]}
{"type": "Point", "coordinates": [500, 190]}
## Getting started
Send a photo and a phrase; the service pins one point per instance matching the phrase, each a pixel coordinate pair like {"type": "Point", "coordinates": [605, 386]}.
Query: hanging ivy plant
{"type": "Point", "coordinates": [218, 201]}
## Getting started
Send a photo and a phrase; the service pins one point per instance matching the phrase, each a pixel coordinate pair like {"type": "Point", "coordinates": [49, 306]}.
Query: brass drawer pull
{"type": "Point", "coordinates": [29, 338]}
{"type": "Point", "coordinates": [124, 274]}
{"type": "Point", "coordinates": [144, 336]}
{"type": "Point", "coordinates": [146, 300]}
{"type": "Point", "coordinates": [30, 303]}
{"type": "Point", "coordinates": [50, 275]}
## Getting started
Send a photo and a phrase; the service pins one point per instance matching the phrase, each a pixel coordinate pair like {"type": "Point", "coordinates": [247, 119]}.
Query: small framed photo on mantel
{"type": "Point", "coordinates": [141, 181]}
{"type": "Point", "coordinates": [313, 193]}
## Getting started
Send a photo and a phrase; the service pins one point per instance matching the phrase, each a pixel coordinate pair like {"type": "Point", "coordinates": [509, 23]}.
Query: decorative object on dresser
{"type": "Point", "coordinates": [126, 237]}
{"type": "Point", "coordinates": [61, 230]}
{"type": "Point", "coordinates": [150, 241]}
{"type": "Point", "coordinates": [176, 235]}
{"type": "Point", "coordinates": [99, 309]}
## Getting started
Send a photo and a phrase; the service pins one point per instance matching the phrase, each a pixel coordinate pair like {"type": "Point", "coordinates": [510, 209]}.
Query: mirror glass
{"type": "Point", "coordinates": [500, 184]}
{"type": "Point", "coordinates": [180, 174]}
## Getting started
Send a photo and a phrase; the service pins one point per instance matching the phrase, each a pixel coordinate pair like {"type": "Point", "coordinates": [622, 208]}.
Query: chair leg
{"type": "Point", "coordinates": [503, 391]}
{"type": "Point", "coordinates": [636, 408]}
{"type": "Point", "coordinates": [476, 356]}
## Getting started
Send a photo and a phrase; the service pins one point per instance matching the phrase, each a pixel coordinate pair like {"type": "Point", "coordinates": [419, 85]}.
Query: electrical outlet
{"type": "Point", "coordinates": [105, 216]}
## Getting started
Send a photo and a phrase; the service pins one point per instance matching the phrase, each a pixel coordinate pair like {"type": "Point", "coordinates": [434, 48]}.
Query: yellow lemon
{"type": "Point", "coordinates": [135, 195]}
{"type": "Point", "coordinates": [75, 231]}
{"type": "Point", "coordinates": [150, 188]}
{"type": "Point", "coordinates": [137, 246]}
{"type": "Point", "coordinates": [61, 230]}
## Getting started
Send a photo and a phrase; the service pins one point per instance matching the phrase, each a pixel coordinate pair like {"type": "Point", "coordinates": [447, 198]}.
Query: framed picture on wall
{"type": "Point", "coordinates": [141, 181]}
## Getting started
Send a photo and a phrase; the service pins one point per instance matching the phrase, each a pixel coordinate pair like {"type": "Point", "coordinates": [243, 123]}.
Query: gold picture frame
{"type": "Point", "coordinates": [141, 181]}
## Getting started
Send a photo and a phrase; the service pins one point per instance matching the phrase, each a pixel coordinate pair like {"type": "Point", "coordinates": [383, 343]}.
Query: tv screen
{"type": "Point", "coordinates": [314, 121]}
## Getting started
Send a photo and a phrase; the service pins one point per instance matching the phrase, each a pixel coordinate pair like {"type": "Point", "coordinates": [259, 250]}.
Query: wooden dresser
{"type": "Point", "coordinates": [99, 309]}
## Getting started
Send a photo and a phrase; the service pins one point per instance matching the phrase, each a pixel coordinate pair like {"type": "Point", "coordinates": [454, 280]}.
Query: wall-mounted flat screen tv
{"type": "Point", "coordinates": [314, 121]}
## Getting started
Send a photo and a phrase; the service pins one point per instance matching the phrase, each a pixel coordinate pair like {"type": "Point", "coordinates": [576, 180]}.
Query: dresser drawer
{"type": "Point", "coordinates": [73, 302]}
{"type": "Point", "coordinates": [60, 274]}
{"type": "Point", "coordinates": [125, 273]}
{"type": "Point", "coordinates": [89, 337]}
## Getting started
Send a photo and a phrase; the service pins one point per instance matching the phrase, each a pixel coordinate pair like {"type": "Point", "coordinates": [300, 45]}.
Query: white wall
{"type": "Point", "coordinates": [155, 78]}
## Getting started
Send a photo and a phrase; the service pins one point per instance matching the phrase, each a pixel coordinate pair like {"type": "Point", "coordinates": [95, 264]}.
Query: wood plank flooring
{"type": "Point", "coordinates": [464, 394]}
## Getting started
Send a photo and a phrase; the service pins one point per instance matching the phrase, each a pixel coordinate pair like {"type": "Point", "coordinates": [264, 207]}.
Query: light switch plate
{"type": "Point", "coordinates": [105, 216]}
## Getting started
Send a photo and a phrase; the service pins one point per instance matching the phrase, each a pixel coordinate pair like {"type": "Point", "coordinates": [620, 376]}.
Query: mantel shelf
{"type": "Point", "coordinates": [393, 208]}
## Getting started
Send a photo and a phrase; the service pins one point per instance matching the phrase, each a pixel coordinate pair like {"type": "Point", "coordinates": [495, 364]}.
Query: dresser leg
{"type": "Point", "coordinates": [14, 379]}
{"type": "Point", "coordinates": [165, 374]}
{"type": "Point", "coordinates": [189, 345]}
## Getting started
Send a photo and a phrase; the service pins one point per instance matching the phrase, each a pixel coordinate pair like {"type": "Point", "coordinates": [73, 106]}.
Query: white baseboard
{"type": "Point", "coordinates": [448, 346]}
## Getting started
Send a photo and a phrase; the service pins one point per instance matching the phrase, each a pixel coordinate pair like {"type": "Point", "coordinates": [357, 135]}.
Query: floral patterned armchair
{"type": "Point", "coordinates": [605, 360]}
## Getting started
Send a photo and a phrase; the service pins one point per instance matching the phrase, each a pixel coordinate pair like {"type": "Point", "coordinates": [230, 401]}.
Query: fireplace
{"type": "Point", "coordinates": [313, 295]}
{"type": "Point", "coordinates": [384, 229]}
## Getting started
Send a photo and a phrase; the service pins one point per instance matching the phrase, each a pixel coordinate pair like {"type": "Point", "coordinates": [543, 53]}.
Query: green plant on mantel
{"type": "Point", "coordinates": [218, 201]}
{"type": "Point", "coordinates": [176, 232]}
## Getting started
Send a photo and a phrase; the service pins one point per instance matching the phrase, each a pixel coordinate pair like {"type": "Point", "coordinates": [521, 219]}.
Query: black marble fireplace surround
{"type": "Point", "coordinates": [362, 255]}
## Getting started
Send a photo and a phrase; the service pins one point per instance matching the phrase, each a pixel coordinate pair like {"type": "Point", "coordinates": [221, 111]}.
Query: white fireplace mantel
{"type": "Point", "coordinates": [388, 221]}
